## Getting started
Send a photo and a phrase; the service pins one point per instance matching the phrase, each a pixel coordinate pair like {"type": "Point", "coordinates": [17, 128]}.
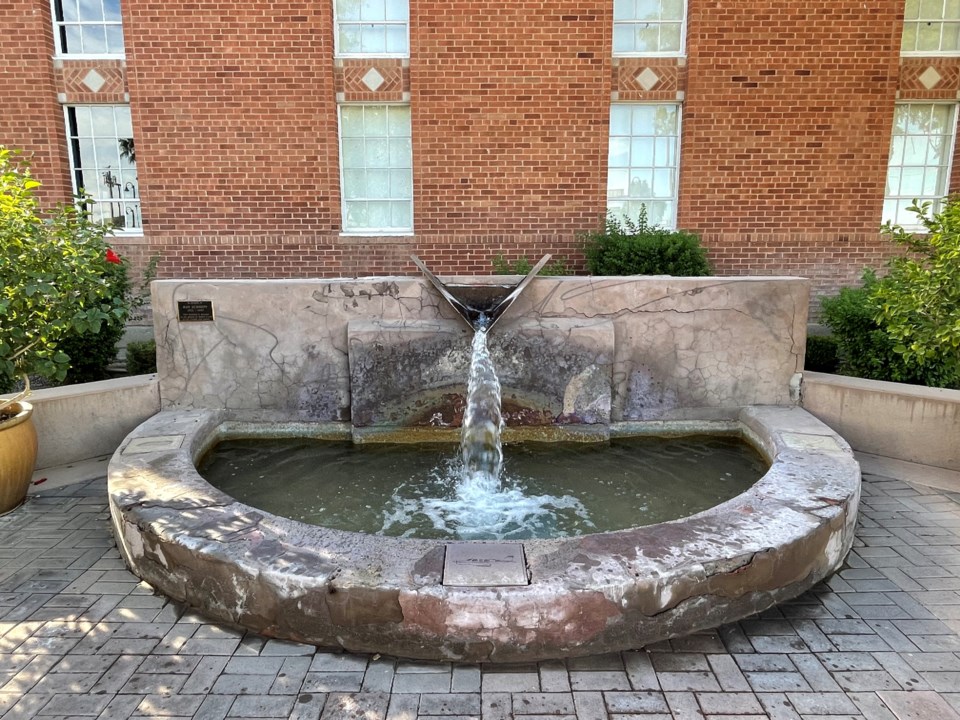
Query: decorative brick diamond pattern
{"type": "Point", "coordinates": [92, 81]}
{"type": "Point", "coordinates": [929, 78]}
{"type": "Point", "coordinates": [384, 80]}
{"type": "Point", "coordinates": [648, 78]}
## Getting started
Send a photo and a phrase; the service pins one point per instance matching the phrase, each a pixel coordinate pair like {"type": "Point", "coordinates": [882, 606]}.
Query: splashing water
{"type": "Point", "coordinates": [479, 506]}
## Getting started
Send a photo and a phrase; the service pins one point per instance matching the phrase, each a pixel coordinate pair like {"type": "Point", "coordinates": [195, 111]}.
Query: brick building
{"type": "Point", "coordinates": [288, 138]}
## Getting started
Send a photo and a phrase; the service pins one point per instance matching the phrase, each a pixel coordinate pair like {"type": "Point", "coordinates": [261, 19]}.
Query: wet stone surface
{"type": "Point", "coordinates": [81, 637]}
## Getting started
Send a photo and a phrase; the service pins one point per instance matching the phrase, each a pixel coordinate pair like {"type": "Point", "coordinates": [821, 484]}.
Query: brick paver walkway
{"type": "Point", "coordinates": [81, 637]}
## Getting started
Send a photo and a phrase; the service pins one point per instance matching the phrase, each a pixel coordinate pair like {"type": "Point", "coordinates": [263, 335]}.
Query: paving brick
{"type": "Point", "coordinates": [730, 703]}
{"type": "Point", "coordinates": [632, 703]}
{"type": "Point", "coordinates": [453, 704]}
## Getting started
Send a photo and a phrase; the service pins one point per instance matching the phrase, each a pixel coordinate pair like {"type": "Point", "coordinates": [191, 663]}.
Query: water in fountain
{"type": "Point", "coordinates": [480, 507]}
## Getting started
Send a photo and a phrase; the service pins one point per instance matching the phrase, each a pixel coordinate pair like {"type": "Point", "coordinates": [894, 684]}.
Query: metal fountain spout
{"type": "Point", "coordinates": [480, 304]}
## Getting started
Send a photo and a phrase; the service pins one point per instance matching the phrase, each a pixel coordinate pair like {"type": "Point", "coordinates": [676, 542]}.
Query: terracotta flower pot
{"type": "Point", "coordinates": [18, 455]}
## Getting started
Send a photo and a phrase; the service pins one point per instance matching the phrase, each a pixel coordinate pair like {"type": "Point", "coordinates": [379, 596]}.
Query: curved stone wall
{"type": "Point", "coordinates": [586, 595]}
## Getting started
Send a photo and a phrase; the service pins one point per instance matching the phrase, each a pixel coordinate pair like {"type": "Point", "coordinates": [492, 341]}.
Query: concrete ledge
{"type": "Point", "coordinates": [78, 422]}
{"type": "Point", "coordinates": [905, 422]}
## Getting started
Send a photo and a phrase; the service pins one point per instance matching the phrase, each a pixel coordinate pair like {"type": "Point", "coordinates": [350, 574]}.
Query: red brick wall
{"type": "Point", "coordinates": [786, 133]}
{"type": "Point", "coordinates": [787, 109]}
{"type": "Point", "coordinates": [31, 119]}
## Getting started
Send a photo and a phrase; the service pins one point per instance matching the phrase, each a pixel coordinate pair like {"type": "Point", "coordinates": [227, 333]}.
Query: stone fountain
{"type": "Point", "coordinates": [378, 359]}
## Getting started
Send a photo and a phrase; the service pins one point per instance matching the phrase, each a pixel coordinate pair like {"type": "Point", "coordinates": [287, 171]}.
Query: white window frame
{"type": "Point", "coordinates": [670, 223]}
{"type": "Point", "coordinates": [371, 232]}
{"type": "Point", "coordinates": [59, 30]}
{"type": "Point", "coordinates": [658, 53]}
{"type": "Point", "coordinates": [942, 21]}
{"type": "Point", "coordinates": [123, 202]}
{"type": "Point", "coordinates": [341, 53]}
{"type": "Point", "coordinates": [947, 168]}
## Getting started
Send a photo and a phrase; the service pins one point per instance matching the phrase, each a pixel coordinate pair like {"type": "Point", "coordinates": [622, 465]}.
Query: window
{"type": "Point", "coordinates": [931, 27]}
{"type": "Point", "coordinates": [88, 27]}
{"type": "Point", "coordinates": [372, 27]}
{"type": "Point", "coordinates": [648, 27]}
{"type": "Point", "coordinates": [377, 168]}
{"type": "Point", "coordinates": [643, 162]}
{"type": "Point", "coordinates": [103, 163]}
{"type": "Point", "coordinates": [920, 153]}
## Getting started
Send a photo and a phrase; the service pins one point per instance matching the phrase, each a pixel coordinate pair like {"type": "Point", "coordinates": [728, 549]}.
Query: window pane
{"type": "Point", "coordinates": [102, 120]}
{"type": "Point", "coordinates": [623, 9]}
{"type": "Point", "coordinates": [94, 39]}
{"type": "Point", "coordinates": [91, 10]}
{"type": "Point", "coordinates": [114, 39]}
{"type": "Point", "coordinates": [375, 121]}
{"type": "Point", "coordinates": [670, 37]}
{"type": "Point", "coordinates": [641, 152]}
{"type": "Point", "coordinates": [619, 152]}
{"type": "Point", "coordinates": [397, 10]}
{"type": "Point", "coordinates": [353, 153]}
{"type": "Point", "coordinates": [641, 183]}
{"type": "Point", "coordinates": [672, 10]}
{"type": "Point", "coordinates": [397, 39]}
{"type": "Point", "coordinates": [351, 121]}
{"type": "Point", "coordinates": [402, 214]}
{"type": "Point", "coordinates": [400, 152]}
{"type": "Point", "coordinates": [909, 41]}
{"type": "Point", "coordinates": [911, 181]}
{"type": "Point", "coordinates": [928, 36]}
{"type": "Point", "coordinates": [914, 151]}
{"type": "Point", "coordinates": [401, 184]}
{"type": "Point", "coordinates": [354, 185]}
{"type": "Point", "coordinates": [618, 183]}
{"type": "Point", "coordinates": [912, 10]}
{"type": "Point", "coordinates": [376, 154]}
{"type": "Point", "coordinates": [348, 9]}
{"type": "Point", "coordinates": [620, 120]}
{"type": "Point", "coordinates": [893, 181]}
{"type": "Point", "coordinates": [378, 183]}
{"type": "Point", "coordinates": [647, 38]}
{"type": "Point", "coordinates": [74, 39]}
{"type": "Point", "coordinates": [398, 119]}
{"type": "Point", "coordinates": [950, 39]}
{"type": "Point", "coordinates": [124, 126]}
{"type": "Point", "coordinates": [70, 12]}
{"type": "Point", "coordinates": [931, 9]}
{"type": "Point", "coordinates": [372, 10]}
{"type": "Point", "coordinates": [647, 10]}
{"type": "Point", "coordinates": [378, 214]}
{"type": "Point", "coordinates": [373, 39]}
{"type": "Point", "coordinates": [623, 38]}
{"type": "Point", "coordinates": [349, 39]}
{"type": "Point", "coordinates": [355, 215]}
{"type": "Point", "coordinates": [111, 10]}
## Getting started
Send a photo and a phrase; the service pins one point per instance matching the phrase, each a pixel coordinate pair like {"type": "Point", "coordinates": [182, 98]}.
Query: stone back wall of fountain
{"type": "Point", "coordinates": [388, 351]}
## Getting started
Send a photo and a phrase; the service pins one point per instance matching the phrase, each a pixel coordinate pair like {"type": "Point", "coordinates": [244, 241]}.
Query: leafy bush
{"type": "Point", "coordinates": [522, 266]}
{"type": "Point", "coordinates": [918, 302]}
{"type": "Point", "coordinates": [52, 278]}
{"type": "Point", "coordinates": [625, 247]}
{"type": "Point", "coordinates": [865, 348]}
{"type": "Point", "coordinates": [142, 357]}
{"type": "Point", "coordinates": [822, 354]}
{"type": "Point", "coordinates": [92, 351]}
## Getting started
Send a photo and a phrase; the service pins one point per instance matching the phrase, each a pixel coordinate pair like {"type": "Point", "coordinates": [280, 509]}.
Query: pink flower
{"type": "Point", "coordinates": [112, 257]}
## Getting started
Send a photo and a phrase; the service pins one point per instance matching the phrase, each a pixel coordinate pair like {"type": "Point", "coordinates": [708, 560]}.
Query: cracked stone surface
{"type": "Point", "coordinates": [684, 347]}
{"type": "Point", "coordinates": [587, 595]}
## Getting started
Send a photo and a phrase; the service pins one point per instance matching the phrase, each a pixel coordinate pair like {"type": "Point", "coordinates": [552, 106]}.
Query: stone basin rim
{"type": "Point", "coordinates": [587, 594]}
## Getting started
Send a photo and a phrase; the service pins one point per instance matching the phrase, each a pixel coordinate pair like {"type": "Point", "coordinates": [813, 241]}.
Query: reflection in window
{"type": "Point", "coordinates": [103, 163]}
{"type": "Point", "coordinates": [648, 27]}
{"type": "Point", "coordinates": [643, 163]}
{"type": "Point", "coordinates": [376, 162]}
{"type": "Point", "coordinates": [931, 27]}
{"type": "Point", "coordinates": [372, 27]}
{"type": "Point", "coordinates": [88, 27]}
{"type": "Point", "coordinates": [920, 152]}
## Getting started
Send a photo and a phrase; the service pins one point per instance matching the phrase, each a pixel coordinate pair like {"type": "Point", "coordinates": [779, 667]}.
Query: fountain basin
{"type": "Point", "coordinates": [581, 595]}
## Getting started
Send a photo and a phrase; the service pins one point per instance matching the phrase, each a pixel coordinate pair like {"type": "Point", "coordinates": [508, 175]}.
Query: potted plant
{"type": "Point", "coordinates": [53, 281]}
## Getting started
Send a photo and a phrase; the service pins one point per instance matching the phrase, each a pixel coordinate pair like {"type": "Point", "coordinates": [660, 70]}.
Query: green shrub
{"type": "Point", "coordinates": [822, 354]}
{"type": "Point", "coordinates": [865, 348]}
{"type": "Point", "coordinates": [625, 247]}
{"type": "Point", "coordinates": [92, 351]}
{"type": "Point", "coordinates": [52, 278]}
{"type": "Point", "coordinates": [918, 302]}
{"type": "Point", "coordinates": [142, 357]}
{"type": "Point", "coordinates": [522, 266]}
